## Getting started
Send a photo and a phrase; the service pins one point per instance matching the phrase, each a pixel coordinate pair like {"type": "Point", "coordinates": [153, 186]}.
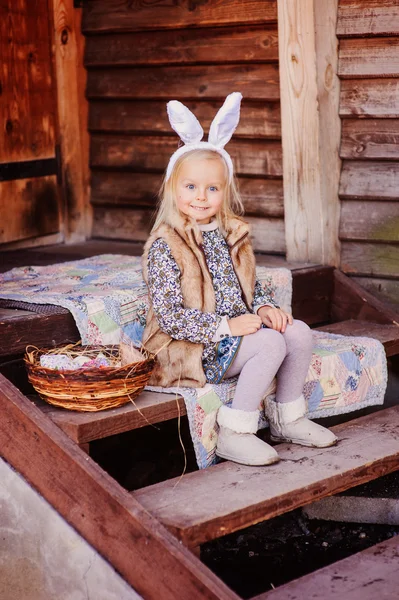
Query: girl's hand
{"type": "Point", "coordinates": [275, 318]}
{"type": "Point", "coordinates": [245, 324]}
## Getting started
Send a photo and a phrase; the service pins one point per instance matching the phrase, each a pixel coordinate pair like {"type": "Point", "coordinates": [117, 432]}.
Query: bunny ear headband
{"type": "Point", "coordinates": [191, 133]}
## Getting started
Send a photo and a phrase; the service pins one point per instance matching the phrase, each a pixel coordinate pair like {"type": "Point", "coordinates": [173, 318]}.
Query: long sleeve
{"type": "Point", "coordinates": [261, 298]}
{"type": "Point", "coordinates": [165, 292]}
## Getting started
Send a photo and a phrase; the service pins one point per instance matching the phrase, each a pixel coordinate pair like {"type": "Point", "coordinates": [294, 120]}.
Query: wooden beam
{"type": "Point", "coordinates": [72, 118]}
{"type": "Point", "coordinates": [308, 51]}
{"type": "Point", "coordinates": [113, 522]}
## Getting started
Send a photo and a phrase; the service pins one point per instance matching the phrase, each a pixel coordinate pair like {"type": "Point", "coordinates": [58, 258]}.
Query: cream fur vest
{"type": "Point", "coordinates": [180, 362]}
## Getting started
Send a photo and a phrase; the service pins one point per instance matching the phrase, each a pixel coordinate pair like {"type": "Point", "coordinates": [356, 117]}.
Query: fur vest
{"type": "Point", "coordinates": [179, 362]}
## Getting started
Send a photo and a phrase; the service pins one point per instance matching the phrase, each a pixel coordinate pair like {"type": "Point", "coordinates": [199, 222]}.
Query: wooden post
{"type": "Point", "coordinates": [72, 118]}
{"type": "Point", "coordinates": [309, 87]}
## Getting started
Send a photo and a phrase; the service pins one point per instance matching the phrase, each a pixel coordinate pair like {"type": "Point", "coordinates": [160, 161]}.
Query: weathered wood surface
{"type": "Point", "coordinates": [29, 208]}
{"type": "Point", "coordinates": [123, 15]}
{"type": "Point", "coordinates": [70, 79]}
{"type": "Point", "coordinates": [366, 258]}
{"type": "Point", "coordinates": [312, 293]}
{"type": "Point", "coordinates": [113, 522]}
{"type": "Point", "coordinates": [310, 128]}
{"type": "Point", "coordinates": [375, 57]}
{"type": "Point", "coordinates": [152, 153]}
{"type": "Point", "coordinates": [385, 289]}
{"type": "Point", "coordinates": [255, 81]}
{"type": "Point", "coordinates": [18, 328]}
{"type": "Point", "coordinates": [388, 335]}
{"type": "Point", "coordinates": [149, 407]}
{"type": "Point", "coordinates": [240, 496]}
{"type": "Point", "coordinates": [122, 224]}
{"type": "Point", "coordinates": [351, 301]}
{"type": "Point", "coordinates": [258, 120]}
{"type": "Point", "coordinates": [369, 179]}
{"type": "Point", "coordinates": [377, 98]}
{"type": "Point", "coordinates": [370, 138]}
{"type": "Point", "coordinates": [370, 221]}
{"type": "Point", "coordinates": [367, 18]}
{"type": "Point", "coordinates": [188, 46]}
{"type": "Point", "coordinates": [27, 107]}
{"type": "Point", "coordinates": [372, 573]}
{"type": "Point", "coordinates": [261, 197]}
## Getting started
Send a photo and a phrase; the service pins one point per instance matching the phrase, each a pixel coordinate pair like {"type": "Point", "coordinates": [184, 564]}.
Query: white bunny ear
{"type": "Point", "coordinates": [184, 122]}
{"type": "Point", "coordinates": [226, 121]}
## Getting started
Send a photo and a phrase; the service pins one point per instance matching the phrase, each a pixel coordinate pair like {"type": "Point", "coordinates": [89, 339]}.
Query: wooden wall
{"type": "Point", "coordinates": [369, 108]}
{"type": "Point", "coordinates": [138, 56]}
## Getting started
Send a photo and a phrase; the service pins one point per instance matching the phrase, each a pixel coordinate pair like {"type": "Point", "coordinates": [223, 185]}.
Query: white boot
{"type": "Point", "coordinates": [288, 424]}
{"type": "Point", "coordinates": [237, 440]}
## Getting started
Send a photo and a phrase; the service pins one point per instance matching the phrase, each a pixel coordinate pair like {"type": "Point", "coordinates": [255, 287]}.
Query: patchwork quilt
{"type": "Point", "coordinates": [108, 300]}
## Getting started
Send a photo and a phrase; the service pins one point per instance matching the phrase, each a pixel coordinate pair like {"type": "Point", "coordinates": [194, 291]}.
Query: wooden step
{"type": "Point", "coordinates": [84, 427]}
{"type": "Point", "coordinates": [227, 497]}
{"type": "Point", "coordinates": [370, 574]}
{"type": "Point", "coordinates": [388, 335]}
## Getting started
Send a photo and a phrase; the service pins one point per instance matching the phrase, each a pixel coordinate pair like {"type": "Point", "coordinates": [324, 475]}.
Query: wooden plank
{"type": "Point", "coordinates": [368, 448]}
{"type": "Point", "coordinates": [261, 197]}
{"type": "Point", "coordinates": [125, 224]}
{"type": "Point", "coordinates": [135, 117]}
{"type": "Point", "coordinates": [376, 260]}
{"type": "Point", "coordinates": [122, 223]}
{"type": "Point", "coordinates": [122, 15]}
{"type": "Point", "coordinates": [35, 208]}
{"type": "Point", "coordinates": [152, 153]}
{"type": "Point", "coordinates": [375, 57]}
{"type": "Point", "coordinates": [71, 101]}
{"type": "Point", "coordinates": [98, 508]}
{"type": "Point", "coordinates": [376, 98]}
{"type": "Point", "coordinates": [351, 301]}
{"type": "Point", "coordinates": [188, 46]}
{"type": "Point", "coordinates": [367, 18]}
{"type": "Point", "coordinates": [149, 407]}
{"type": "Point", "coordinates": [310, 129]}
{"type": "Point", "coordinates": [18, 328]}
{"type": "Point", "coordinates": [369, 221]}
{"type": "Point", "coordinates": [312, 293]}
{"type": "Point", "coordinates": [370, 138]}
{"type": "Point", "coordinates": [372, 180]}
{"type": "Point", "coordinates": [363, 576]}
{"type": "Point", "coordinates": [257, 82]}
{"type": "Point", "coordinates": [385, 289]}
{"type": "Point", "coordinates": [27, 107]}
{"type": "Point", "coordinates": [388, 335]}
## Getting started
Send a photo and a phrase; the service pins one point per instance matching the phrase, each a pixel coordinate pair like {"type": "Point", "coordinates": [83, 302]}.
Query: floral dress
{"type": "Point", "coordinates": [192, 324]}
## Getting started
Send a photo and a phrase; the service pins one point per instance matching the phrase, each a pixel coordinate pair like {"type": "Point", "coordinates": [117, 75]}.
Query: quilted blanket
{"type": "Point", "coordinates": [108, 300]}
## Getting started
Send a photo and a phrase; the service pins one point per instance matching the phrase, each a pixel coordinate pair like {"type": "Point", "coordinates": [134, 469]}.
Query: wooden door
{"type": "Point", "coordinates": [30, 194]}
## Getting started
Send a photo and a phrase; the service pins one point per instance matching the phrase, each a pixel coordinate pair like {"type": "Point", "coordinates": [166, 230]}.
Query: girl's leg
{"type": "Point", "coordinates": [294, 368]}
{"type": "Point", "coordinates": [258, 360]}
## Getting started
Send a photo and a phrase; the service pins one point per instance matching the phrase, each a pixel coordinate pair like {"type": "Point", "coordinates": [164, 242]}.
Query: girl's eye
{"type": "Point", "coordinates": [190, 186]}
{"type": "Point", "coordinates": [213, 188]}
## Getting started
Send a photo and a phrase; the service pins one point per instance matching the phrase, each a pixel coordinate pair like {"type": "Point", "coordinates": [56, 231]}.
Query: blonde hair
{"type": "Point", "coordinates": [167, 206]}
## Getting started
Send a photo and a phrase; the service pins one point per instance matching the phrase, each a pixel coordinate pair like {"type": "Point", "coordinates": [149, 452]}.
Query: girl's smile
{"type": "Point", "coordinates": [200, 188]}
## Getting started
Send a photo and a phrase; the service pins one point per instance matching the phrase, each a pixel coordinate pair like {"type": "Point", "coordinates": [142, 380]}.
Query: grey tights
{"type": "Point", "coordinates": [266, 354]}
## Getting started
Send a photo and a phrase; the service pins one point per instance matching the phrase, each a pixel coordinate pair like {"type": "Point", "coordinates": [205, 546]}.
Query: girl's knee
{"type": "Point", "coordinates": [299, 334]}
{"type": "Point", "coordinates": [272, 341]}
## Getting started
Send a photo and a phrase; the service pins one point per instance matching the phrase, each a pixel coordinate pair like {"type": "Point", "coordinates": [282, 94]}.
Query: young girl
{"type": "Point", "coordinates": [208, 312]}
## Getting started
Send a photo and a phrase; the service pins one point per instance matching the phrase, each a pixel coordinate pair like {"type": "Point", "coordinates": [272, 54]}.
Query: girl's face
{"type": "Point", "coordinates": [200, 188]}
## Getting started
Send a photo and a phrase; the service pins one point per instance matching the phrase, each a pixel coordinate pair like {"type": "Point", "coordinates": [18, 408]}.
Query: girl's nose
{"type": "Point", "coordinates": [201, 196]}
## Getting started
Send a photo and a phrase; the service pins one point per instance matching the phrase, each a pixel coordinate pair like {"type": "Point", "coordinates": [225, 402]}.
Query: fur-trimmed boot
{"type": "Point", "coordinates": [237, 440]}
{"type": "Point", "coordinates": [288, 424]}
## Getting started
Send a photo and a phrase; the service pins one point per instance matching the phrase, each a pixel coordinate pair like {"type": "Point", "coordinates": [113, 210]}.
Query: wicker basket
{"type": "Point", "coordinates": [89, 389]}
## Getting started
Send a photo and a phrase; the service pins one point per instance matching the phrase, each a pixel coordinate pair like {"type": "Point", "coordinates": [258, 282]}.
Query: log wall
{"type": "Point", "coordinates": [139, 56]}
{"type": "Point", "coordinates": [369, 108]}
